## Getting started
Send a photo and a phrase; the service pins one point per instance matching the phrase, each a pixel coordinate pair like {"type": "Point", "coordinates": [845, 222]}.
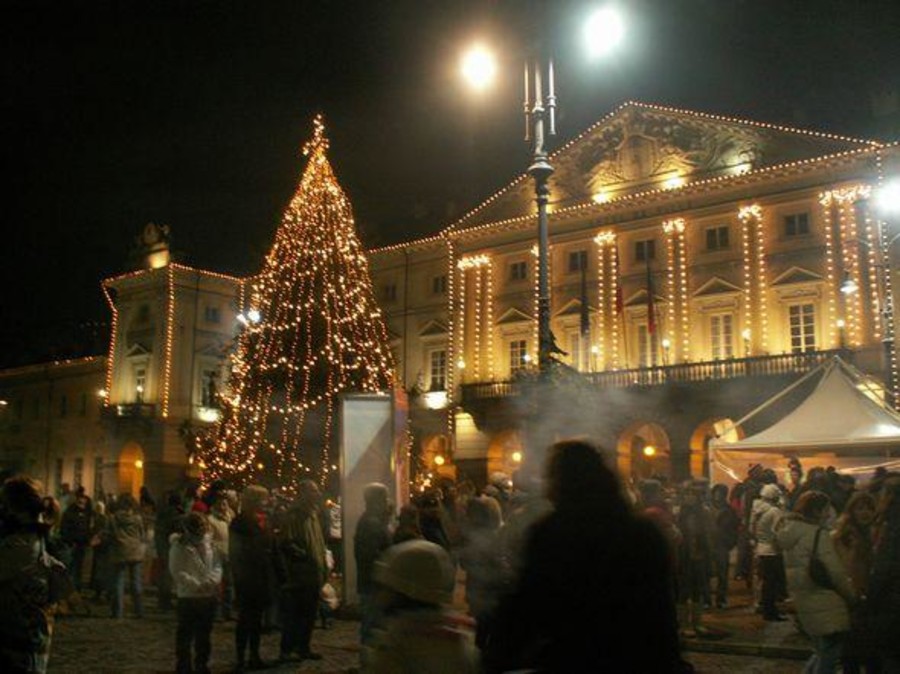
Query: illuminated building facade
{"type": "Point", "coordinates": [710, 253]}
{"type": "Point", "coordinates": [114, 423]}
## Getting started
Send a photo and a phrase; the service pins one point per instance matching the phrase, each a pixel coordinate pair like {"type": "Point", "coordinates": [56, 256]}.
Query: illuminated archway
{"type": "Point", "coordinates": [131, 469]}
{"type": "Point", "coordinates": [643, 450]}
{"type": "Point", "coordinates": [505, 451]}
{"type": "Point", "coordinates": [711, 428]}
{"type": "Point", "coordinates": [435, 455]}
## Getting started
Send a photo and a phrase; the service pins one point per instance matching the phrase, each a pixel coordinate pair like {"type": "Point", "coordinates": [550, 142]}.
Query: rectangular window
{"type": "Point", "coordinates": [140, 384]}
{"type": "Point", "coordinates": [518, 271]}
{"type": "Point", "coordinates": [645, 251]}
{"type": "Point", "coordinates": [796, 224]}
{"type": "Point", "coordinates": [647, 346]}
{"type": "Point", "coordinates": [58, 474]}
{"type": "Point", "coordinates": [78, 473]}
{"type": "Point", "coordinates": [389, 292]}
{"type": "Point", "coordinates": [98, 476]}
{"type": "Point", "coordinates": [577, 261]}
{"type": "Point", "coordinates": [82, 406]}
{"type": "Point", "coordinates": [439, 285]}
{"type": "Point", "coordinates": [211, 314]}
{"type": "Point", "coordinates": [518, 355]}
{"type": "Point", "coordinates": [437, 370]}
{"type": "Point", "coordinates": [63, 405]}
{"type": "Point", "coordinates": [576, 355]}
{"type": "Point", "coordinates": [721, 336]}
{"type": "Point", "coordinates": [803, 327]}
{"type": "Point", "coordinates": [717, 238]}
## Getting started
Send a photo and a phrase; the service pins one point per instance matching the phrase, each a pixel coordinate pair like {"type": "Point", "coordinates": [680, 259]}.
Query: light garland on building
{"type": "Point", "coordinates": [756, 289]}
{"type": "Point", "coordinates": [320, 333]}
{"type": "Point", "coordinates": [607, 294]}
{"type": "Point", "coordinates": [113, 337]}
{"type": "Point", "coordinates": [536, 304]}
{"type": "Point", "coordinates": [677, 285]}
{"type": "Point", "coordinates": [489, 318]}
{"type": "Point", "coordinates": [170, 335]}
{"type": "Point", "coordinates": [476, 325]}
{"type": "Point", "coordinates": [871, 246]}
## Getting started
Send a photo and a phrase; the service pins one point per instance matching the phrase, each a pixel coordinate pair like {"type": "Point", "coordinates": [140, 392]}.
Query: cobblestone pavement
{"type": "Point", "coordinates": [100, 644]}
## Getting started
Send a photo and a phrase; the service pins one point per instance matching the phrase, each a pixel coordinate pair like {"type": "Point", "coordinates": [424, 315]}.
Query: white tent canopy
{"type": "Point", "coordinates": [843, 423]}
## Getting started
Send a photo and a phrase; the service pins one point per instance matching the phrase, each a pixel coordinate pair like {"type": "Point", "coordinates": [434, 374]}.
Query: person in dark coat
{"type": "Point", "coordinates": [883, 605]}
{"type": "Point", "coordinates": [169, 520]}
{"type": "Point", "coordinates": [616, 614]}
{"type": "Point", "coordinates": [76, 532]}
{"type": "Point", "coordinates": [301, 566]}
{"type": "Point", "coordinates": [126, 535]}
{"type": "Point", "coordinates": [250, 546]}
{"type": "Point", "coordinates": [725, 530]}
{"type": "Point", "coordinates": [482, 558]}
{"type": "Point", "coordinates": [372, 537]}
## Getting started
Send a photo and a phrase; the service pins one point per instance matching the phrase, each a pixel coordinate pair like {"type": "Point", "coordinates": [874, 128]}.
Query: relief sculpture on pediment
{"type": "Point", "coordinates": [654, 148]}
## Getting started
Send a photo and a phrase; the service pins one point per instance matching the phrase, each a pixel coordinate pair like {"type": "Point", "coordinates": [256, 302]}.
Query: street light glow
{"type": "Point", "coordinates": [478, 67]}
{"type": "Point", "coordinates": [649, 451]}
{"type": "Point", "coordinates": [887, 198]}
{"type": "Point", "coordinates": [603, 31]}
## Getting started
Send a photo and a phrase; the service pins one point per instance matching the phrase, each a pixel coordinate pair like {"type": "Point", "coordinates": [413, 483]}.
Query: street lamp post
{"type": "Point", "coordinates": [541, 170]}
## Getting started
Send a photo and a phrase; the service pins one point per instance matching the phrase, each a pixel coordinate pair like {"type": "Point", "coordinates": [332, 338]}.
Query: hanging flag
{"type": "Point", "coordinates": [585, 312]}
{"type": "Point", "coordinates": [651, 308]}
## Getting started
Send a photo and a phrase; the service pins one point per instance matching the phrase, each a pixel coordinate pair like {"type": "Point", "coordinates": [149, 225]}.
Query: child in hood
{"type": "Point", "coordinates": [196, 570]}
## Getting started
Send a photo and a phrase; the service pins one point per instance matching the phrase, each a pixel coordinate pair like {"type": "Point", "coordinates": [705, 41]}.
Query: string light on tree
{"type": "Point", "coordinates": [314, 330]}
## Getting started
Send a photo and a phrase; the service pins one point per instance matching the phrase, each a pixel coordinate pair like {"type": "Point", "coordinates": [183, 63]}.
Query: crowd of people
{"type": "Point", "coordinates": [577, 572]}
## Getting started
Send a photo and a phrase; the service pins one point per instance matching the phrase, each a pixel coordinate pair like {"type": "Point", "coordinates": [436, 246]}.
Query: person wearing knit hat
{"type": "Point", "coordinates": [766, 514]}
{"type": "Point", "coordinates": [419, 634]}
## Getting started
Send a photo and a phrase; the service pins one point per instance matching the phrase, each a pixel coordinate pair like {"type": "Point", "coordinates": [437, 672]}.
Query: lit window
{"type": "Point", "coordinates": [78, 473]}
{"type": "Point", "coordinates": [647, 346]}
{"type": "Point", "coordinates": [518, 355]}
{"type": "Point", "coordinates": [438, 370]}
{"type": "Point", "coordinates": [803, 327]}
{"type": "Point", "coordinates": [212, 315]}
{"type": "Point", "coordinates": [717, 238]}
{"type": "Point", "coordinates": [645, 250]}
{"type": "Point", "coordinates": [518, 271]}
{"type": "Point", "coordinates": [577, 261]}
{"type": "Point", "coordinates": [796, 224]}
{"type": "Point", "coordinates": [721, 336]}
{"type": "Point", "coordinates": [140, 384]}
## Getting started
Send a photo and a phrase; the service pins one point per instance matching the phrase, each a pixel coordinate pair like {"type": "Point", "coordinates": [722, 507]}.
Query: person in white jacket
{"type": "Point", "coordinates": [821, 608]}
{"type": "Point", "coordinates": [196, 570]}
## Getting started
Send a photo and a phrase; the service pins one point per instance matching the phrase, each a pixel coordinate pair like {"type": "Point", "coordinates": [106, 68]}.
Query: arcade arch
{"type": "Point", "coordinates": [131, 469]}
{"type": "Point", "coordinates": [643, 450]}
{"type": "Point", "coordinates": [715, 427]}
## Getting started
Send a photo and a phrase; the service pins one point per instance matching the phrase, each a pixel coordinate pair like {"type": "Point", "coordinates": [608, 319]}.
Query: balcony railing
{"type": "Point", "coordinates": [757, 366]}
{"type": "Point", "coordinates": [129, 411]}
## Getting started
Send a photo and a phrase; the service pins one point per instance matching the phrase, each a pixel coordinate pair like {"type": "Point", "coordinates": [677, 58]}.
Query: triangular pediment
{"type": "Point", "coordinates": [137, 349]}
{"type": "Point", "coordinates": [797, 275]}
{"type": "Point", "coordinates": [513, 315]}
{"type": "Point", "coordinates": [640, 299]}
{"type": "Point", "coordinates": [641, 147]}
{"type": "Point", "coordinates": [716, 286]}
{"type": "Point", "coordinates": [433, 329]}
{"type": "Point", "coordinates": [571, 308]}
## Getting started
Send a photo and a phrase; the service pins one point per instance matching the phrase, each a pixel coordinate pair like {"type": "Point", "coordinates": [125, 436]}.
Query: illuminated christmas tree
{"type": "Point", "coordinates": [313, 331]}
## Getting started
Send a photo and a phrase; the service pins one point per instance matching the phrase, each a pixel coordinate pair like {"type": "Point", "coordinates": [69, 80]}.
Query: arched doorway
{"type": "Point", "coordinates": [643, 450]}
{"type": "Point", "coordinates": [435, 456]}
{"type": "Point", "coordinates": [505, 452]}
{"type": "Point", "coordinates": [131, 469]}
{"type": "Point", "coordinates": [716, 427]}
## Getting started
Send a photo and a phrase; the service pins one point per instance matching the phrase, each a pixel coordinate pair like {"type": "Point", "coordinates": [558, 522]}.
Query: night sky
{"type": "Point", "coordinates": [189, 113]}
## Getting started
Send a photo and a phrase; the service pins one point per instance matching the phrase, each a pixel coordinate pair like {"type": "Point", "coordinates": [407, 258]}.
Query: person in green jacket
{"type": "Point", "coordinates": [301, 569]}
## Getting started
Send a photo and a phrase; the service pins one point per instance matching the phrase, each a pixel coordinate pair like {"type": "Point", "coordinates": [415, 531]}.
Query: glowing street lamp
{"type": "Point", "coordinates": [603, 31]}
{"type": "Point", "coordinates": [649, 451]}
{"type": "Point", "coordinates": [479, 67]}
{"type": "Point", "coordinates": [439, 460]}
